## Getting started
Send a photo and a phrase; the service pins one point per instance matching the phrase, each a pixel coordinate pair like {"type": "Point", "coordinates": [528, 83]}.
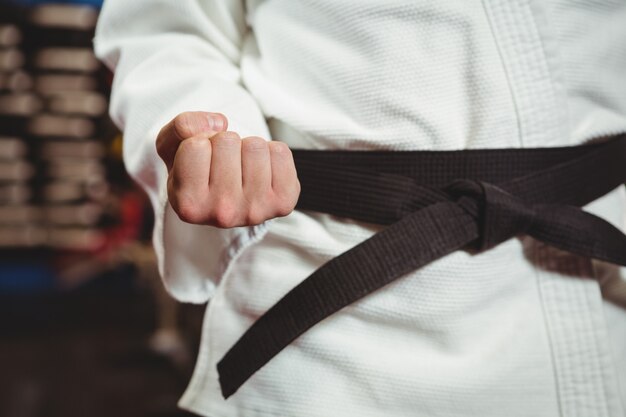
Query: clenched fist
{"type": "Point", "coordinates": [218, 179]}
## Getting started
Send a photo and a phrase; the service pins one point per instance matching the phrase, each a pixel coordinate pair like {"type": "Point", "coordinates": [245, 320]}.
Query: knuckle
{"type": "Point", "coordinates": [226, 139]}
{"type": "Point", "coordinates": [284, 206]}
{"type": "Point", "coordinates": [227, 136]}
{"type": "Point", "coordinates": [186, 206]}
{"type": "Point", "coordinates": [189, 211]}
{"type": "Point", "coordinates": [159, 138]}
{"type": "Point", "coordinates": [182, 125]}
{"type": "Point", "coordinates": [224, 219]}
{"type": "Point", "coordinates": [194, 143]}
{"type": "Point", "coordinates": [160, 150]}
{"type": "Point", "coordinates": [255, 216]}
{"type": "Point", "coordinates": [160, 144]}
{"type": "Point", "coordinates": [280, 148]}
{"type": "Point", "coordinates": [254, 143]}
{"type": "Point", "coordinates": [225, 213]}
{"type": "Point", "coordinates": [284, 210]}
{"type": "Point", "coordinates": [256, 212]}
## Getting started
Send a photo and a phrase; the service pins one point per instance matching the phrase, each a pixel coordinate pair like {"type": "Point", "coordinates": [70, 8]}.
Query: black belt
{"type": "Point", "coordinates": [435, 202]}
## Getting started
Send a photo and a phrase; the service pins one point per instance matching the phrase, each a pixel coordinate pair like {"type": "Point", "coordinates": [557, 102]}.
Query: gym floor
{"type": "Point", "coordinates": [86, 354]}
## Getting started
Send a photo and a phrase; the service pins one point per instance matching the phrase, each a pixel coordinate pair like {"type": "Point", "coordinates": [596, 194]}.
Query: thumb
{"type": "Point", "coordinates": [193, 123]}
{"type": "Point", "coordinates": [185, 126]}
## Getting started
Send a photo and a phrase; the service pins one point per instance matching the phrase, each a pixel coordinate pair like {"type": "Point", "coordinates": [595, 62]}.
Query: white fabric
{"type": "Point", "coordinates": [520, 330]}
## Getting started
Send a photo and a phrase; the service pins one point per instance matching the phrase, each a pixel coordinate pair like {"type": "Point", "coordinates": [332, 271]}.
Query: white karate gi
{"type": "Point", "coordinates": [519, 330]}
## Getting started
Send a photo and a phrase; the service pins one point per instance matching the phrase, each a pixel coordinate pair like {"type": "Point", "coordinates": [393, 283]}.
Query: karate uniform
{"type": "Point", "coordinates": [519, 330]}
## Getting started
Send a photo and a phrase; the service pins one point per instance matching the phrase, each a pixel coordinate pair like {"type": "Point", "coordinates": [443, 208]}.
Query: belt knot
{"type": "Point", "coordinates": [499, 214]}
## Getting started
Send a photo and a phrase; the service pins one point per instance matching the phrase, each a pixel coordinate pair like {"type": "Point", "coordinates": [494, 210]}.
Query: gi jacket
{"type": "Point", "coordinates": [518, 330]}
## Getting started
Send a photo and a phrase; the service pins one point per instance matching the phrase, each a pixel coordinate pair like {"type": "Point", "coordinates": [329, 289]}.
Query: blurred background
{"type": "Point", "coordinates": [85, 326]}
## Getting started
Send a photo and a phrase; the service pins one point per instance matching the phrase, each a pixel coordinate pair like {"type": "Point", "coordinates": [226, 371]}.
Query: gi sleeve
{"type": "Point", "coordinates": [171, 56]}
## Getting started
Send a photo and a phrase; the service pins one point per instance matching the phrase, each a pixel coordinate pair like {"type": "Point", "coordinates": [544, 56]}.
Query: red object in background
{"type": "Point", "coordinates": [131, 208]}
